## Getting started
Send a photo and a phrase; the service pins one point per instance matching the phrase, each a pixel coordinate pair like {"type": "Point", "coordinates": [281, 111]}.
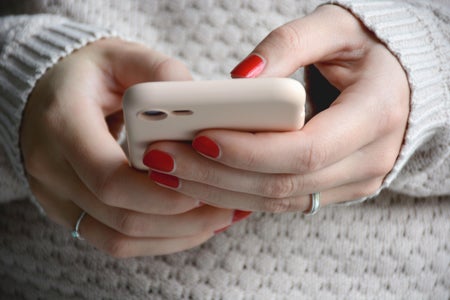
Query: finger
{"type": "Point", "coordinates": [364, 164]}
{"type": "Point", "coordinates": [56, 172]}
{"type": "Point", "coordinates": [324, 140]}
{"type": "Point", "coordinates": [64, 181]}
{"type": "Point", "coordinates": [113, 182]}
{"type": "Point", "coordinates": [134, 224]}
{"type": "Point", "coordinates": [247, 202]}
{"type": "Point", "coordinates": [134, 63]}
{"type": "Point", "coordinates": [131, 223]}
{"type": "Point", "coordinates": [61, 211]}
{"type": "Point", "coordinates": [302, 42]}
{"type": "Point", "coordinates": [107, 239]}
{"type": "Point", "coordinates": [137, 224]}
{"type": "Point", "coordinates": [96, 156]}
{"type": "Point", "coordinates": [120, 186]}
{"type": "Point", "coordinates": [121, 246]}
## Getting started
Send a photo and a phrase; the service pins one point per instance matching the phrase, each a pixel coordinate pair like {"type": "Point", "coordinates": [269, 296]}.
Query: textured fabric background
{"type": "Point", "coordinates": [391, 248]}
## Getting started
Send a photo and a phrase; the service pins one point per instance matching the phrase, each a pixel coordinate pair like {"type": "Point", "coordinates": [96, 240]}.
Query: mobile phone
{"type": "Point", "coordinates": [177, 110]}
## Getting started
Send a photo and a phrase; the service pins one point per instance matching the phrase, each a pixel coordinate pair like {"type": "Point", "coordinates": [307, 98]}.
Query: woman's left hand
{"type": "Point", "coordinates": [344, 152]}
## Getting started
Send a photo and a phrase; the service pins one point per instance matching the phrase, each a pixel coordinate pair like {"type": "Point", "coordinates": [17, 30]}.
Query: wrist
{"type": "Point", "coordinates": [36, 43]}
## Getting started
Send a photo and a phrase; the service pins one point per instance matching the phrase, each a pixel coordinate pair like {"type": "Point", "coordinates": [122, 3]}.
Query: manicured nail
{"type": "Point", "coordinates": [165, 179]}
{"type": "Point", "coordinates": [250, 67]}
{"type": "Point", "coordinates": [221, 229]}
{"type": "Point", "coordinates": [240, 215]}
{"type": "Point", "coordinates": [159, 160]}
{"type": "Point", "coordinates": [206, 146]}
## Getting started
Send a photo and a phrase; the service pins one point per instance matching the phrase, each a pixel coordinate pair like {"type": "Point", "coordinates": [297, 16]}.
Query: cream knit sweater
{"type": "Point", "coordinates": [395, 246]}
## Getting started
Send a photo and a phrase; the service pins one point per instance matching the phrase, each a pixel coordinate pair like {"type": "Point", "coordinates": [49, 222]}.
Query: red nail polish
{"type": "Point", "coordinates": [159, 160]}
{"type": "Point", "coordinates": [240, 215]}
{"type": "Point", "coordinates": [237, 216]}
{"type": "Point", "coordinates": [206, 146]}
{"type": "Point", "coordinates": [250, 67]}
{"type": "Point", "coordinates": [165, 179]}
{"type": "Point", "coordinates": [221, 229]}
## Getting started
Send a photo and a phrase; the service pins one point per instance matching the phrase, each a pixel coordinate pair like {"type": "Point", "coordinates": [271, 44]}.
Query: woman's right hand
{"type": "Point", "coordinates": [74, 162]}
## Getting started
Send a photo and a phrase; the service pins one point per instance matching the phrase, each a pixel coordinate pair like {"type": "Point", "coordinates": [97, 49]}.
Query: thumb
{"type": "Point", "coordinates": [133, 63]}
{"type": "Point", "coordinates": [314, 38]}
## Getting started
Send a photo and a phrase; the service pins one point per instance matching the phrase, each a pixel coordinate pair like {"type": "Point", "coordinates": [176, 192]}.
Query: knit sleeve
{"type": "Point", "coordinates": [29, 45]}
{"type": "Point", "coordinates": [418, 34]}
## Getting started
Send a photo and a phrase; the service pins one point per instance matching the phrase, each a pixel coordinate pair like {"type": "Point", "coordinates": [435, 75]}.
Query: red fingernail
{"type": "Point", "coordinates": [159, 160]}
{"type": "Point", "coordinates": [165, 179]}
{"type": "Point", "coordinates": [240, 215]}
{"type": "Point", "coordinates": [250, 67]}
{"type": "Point", "coordinates": [221, 229]}
{"type": "Point", "coordinates": [206, 146]}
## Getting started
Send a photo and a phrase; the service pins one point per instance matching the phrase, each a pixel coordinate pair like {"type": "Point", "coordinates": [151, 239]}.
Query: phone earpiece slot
{"type": "Point", "coordinates": [182, 112]}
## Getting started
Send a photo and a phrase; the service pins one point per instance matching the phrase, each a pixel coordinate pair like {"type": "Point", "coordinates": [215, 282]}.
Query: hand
{"type": "Point", "coordinates": [74, 162]}
{"type": "Point", "coordinates": [344, 152]}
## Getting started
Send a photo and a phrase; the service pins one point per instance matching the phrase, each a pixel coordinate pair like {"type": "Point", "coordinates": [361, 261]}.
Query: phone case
{"type": "Point", "coordinates": [176, 111]}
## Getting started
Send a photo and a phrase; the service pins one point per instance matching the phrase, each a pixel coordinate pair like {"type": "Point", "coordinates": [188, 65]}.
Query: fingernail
{"type": "Point", "coordinates": [158, 160]}
{"type": "Point", "coordinates": [240, 215]}
{"type": "Point", "coordinates": [221, 229]}
{"type": "Point", "coordinates": [250, 67]}
{"type": "Point", "coordinates": [206, 146]}
{"type": "Point", "coordinates": [165, 179]}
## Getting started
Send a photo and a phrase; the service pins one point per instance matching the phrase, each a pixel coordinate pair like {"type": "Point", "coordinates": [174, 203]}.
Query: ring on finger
{"type": "Point", "coordinates": [75, 232]}
{"type": "Point", "coordinates": [315, 204]}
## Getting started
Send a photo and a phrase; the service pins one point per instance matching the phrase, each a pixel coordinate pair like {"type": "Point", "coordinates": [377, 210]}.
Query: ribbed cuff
{"type": "Point", "coordinates": [409, 35]}
{"type": "Point", "coordinates": [35, 44]}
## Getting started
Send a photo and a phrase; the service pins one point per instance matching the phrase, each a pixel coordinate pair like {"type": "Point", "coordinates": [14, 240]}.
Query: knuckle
{"type": "Point", "coordinates": [314, 159]}
{"type": "Point", "coordinates": [207, 175]}
{"type": "Point", "coordinates": [127, 223]}
{"type": "Point", "coordinates": [106, 190]}
{"type": "Point", "coordinates": [250, 159]}
{"type": "Point", "coordinates": [176, 204]}
{"type": "Point", "coordinates": [117, 246]}
{"type": "Point", "coordinates": [204, 225]}
{"type": "Point", "coordinates": [281, 187]}
{"type": "Point", "coordinates": [164, 69]}
{"type": "Point", "coordinates": [276, 205]}
{"type": "Point", "coordinates": [210, 194]}
{"type": "Point", "coordinates": [286, 36]}
{"type": "Point", "coordinates": [103, 187]}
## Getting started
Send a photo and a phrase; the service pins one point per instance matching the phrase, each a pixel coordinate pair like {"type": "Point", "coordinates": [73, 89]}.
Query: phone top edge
{"type": "Point", "coordinates": [232, 104]}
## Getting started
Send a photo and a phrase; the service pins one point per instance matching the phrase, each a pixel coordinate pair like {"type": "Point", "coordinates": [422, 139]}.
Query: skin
{"type": "Point", "coordinates": [344, 152]}
{"type": "Point", "coordinates": [74, 163]}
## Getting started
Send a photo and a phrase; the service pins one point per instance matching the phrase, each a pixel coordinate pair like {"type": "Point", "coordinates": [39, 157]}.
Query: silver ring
{"type": "Point", "coordinates": [75, 232]}
{"type": "Point", "coordinates": [315, 204]}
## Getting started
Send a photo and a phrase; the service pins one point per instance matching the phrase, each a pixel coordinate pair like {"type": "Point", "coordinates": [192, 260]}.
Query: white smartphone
{"type": "Point", "coordinates": [177, 110]}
